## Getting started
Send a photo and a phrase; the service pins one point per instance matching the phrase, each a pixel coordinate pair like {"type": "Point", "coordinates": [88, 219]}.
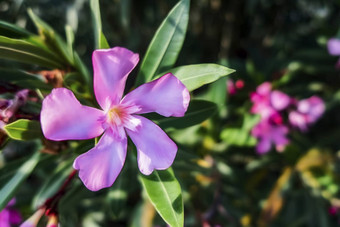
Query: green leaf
{"type": "Point", "coordinates": [8, 190]}
{"type": "Point", "coordinates": [198, 111]}
{"type": "Point", "coordinates": [24, 130]}
{"type": "Point", "coordinates": [13, 31]}
{"type": "Point", "coordinates": [69, 39]}
{"type": "Point", "coordinates": [51, 38]}
{"type": "Point", "coordinates": [165, 194]}
{"type": "Point", "coordinates": [23, 79]}
{"type": "Point", "coordinates": [166, 44]}
{"type": "Point", "coordinates": [55, 42]}
{"type": "Point", "coordinates": [53, 183]}
{"type": "Point", "coordinates": [195, 76]}
{"type": "Point", "coordinates": [241, 136]}
{"type": "Point", "coordinates": [100, 40]}
{"type": "Point", "coordinates": [237, 137]}
{"type": "Point", "coordinates": [24, 51]}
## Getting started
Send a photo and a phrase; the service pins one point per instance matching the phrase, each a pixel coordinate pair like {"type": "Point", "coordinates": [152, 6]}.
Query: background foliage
{"type": "Point", "coordinates": [223, 180]}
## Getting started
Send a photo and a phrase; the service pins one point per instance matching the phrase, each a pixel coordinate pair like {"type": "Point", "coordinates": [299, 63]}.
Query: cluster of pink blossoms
{"type": "Point", "coordinates": [270, 105]}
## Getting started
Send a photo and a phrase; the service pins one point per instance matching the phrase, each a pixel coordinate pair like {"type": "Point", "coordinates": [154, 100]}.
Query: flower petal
{"type": "Point", "coordinates": [100, 166]}
{"type": "Point", "coordinates": [279, 100]}
{"type": "Point", "coordinates": [111, 68]}
{"type": "Point", "coordinates": [263, 145]}
{"type": "Point", "coordinates": [155, 150]}
{"type": "Point", "coordinates": [333, 46]}
{"type": "Point", "coordinates": [4, 218]}
{"type": "Point", "coordinates": [166, 96]}
{"type": "Point", "coordinates": [298, 120]}
{"type": "Point", "coordinates": [64, 118]}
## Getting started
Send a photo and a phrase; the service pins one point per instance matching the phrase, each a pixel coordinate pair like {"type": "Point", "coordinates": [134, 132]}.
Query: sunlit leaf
{"type": "Point", "coordinates": [100, 40]}
{"type": "Point", "coordinates": [24, 130]}
{"type": "Point", "coordinates": [26, 52]}
{"type": "Point", "coordinates": [195, 76]}
{"type": "Point", "coordinates": [165, 194]}
{"type": "Point", "coordinates": [166, 44]}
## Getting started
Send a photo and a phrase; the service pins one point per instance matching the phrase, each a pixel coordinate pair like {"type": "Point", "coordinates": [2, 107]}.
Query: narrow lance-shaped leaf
{"type": "Point", "coordinates": [51, 37]}
{"type": "Point", "coordinates": [195, 76]}
{"type": "Point", "coordinates": [24, 130]}
{"type": "Point", "coordinates": [166, 44]}
{"type": "Point", "coordinates": [26, 52]}
{"type": "Point", "coordinates": [165, 194]}
{"type": "Point", "coordinates": [8, 190]}
{"type": "Point", "coordinates": [69, 39]}
{"type": "Point", "coordinates": [13, 31]}
{"type": "Point", "coordinates": [100, 40]}
{"type": "Point", "coordinates": [23, 79]}
{"type": "Point", "coordinates": [54, 41]}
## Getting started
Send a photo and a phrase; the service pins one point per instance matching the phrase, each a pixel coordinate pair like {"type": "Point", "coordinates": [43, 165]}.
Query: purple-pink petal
{"type": "Point", "coordinates": [333, 46]}
{"type": "Point", "coordinates": [100, 166]}
{"type": "Point", "coordinates": [279, 100]}
{"type": "Point", "coordinates": [4, 218]}
{"type": "Point", "coordinates": [268, 134]}
{"type": "Point", "coordinates": [14, 217]}
{"type": "Point", "coordinates": [64, 118]}
{"type": "Point", "coordinates": [264, 89]}
{"type": "Point", "coordinates": [298, 120]}
{"type": "Point", "coordinates": [155, 150]}
{"type": "Point", "coordinates": [166, 96]}
{"type": "Point", "coordinates": [313, 107]}
{"type": "Point", "coordinates": [111, 68]}
{"type": "Point", "coordinates": [263, 145]}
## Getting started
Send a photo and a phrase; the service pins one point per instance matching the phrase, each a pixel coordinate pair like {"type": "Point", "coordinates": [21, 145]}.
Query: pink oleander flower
{"type": "Point", "coordinates": [64, 118]}
{"type": "Point", "coordinates": [9, 216]}
{"type": "Point", "coordinates": [268, 134]}
{"type": "Point", "coordinates": [333, 46]}
{"type": "Point", "coordinates": [308, 112]}
{"type": "Point", "coordinates": [268, 103]}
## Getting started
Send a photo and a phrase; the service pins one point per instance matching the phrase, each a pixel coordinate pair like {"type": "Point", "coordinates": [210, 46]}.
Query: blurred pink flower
{"type": "Point", "coordinates": [9, 216]}
{"type": "Point", "coordinates": [308, 111]}
{"type": "Point", "coordinates": [270, 130]}
{"type": "Point", "coordinates": [268, 134]}
{"type": "Point", "coordinates": [64, 118]}
{"type": "Point", "coordinates": [9, 107]}
{"type": "Point", "coordinates": [239, 84]}
{"type": "Point", "coordinates": [268, 103]}
{"type": "Point", "coordinates": [333, 46]}
{"type": "Point", "coordinates": [233, 87]}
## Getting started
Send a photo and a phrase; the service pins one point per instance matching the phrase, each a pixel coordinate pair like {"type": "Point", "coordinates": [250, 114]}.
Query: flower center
{"type": "Point", "coordinates": [115, 116]}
